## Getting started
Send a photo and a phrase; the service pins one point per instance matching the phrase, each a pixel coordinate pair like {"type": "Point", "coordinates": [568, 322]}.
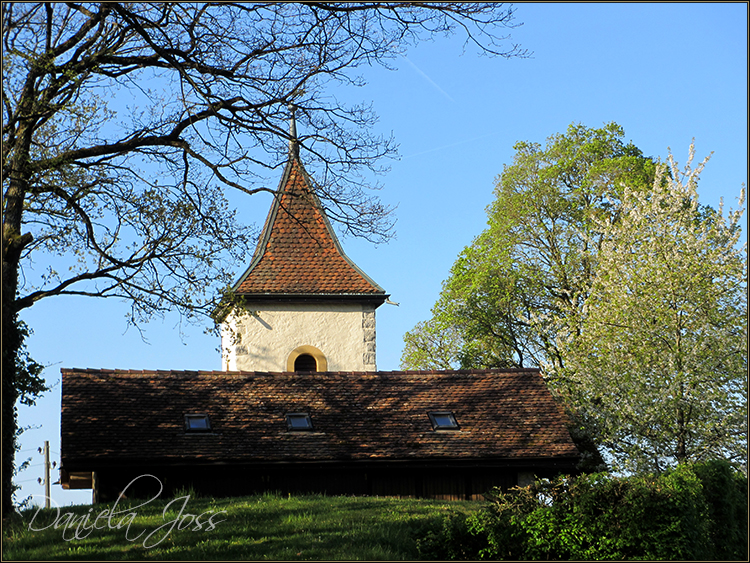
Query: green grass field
{"type": "Point", "coordinates": [259, 527]}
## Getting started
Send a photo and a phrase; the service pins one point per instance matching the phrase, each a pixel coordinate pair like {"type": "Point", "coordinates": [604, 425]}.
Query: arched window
{"type": "Point", "coordinates": [306, 358]}
{"type": "Point", "coordinates": [305, 362]}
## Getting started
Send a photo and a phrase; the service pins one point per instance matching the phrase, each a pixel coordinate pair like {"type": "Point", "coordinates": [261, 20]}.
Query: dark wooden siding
{"type": "Point", "coordinates": [434, 482]}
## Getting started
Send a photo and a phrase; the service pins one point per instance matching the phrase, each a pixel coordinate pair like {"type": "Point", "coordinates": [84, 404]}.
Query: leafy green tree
{"type": "Point", "coordinates": [659, 369]}
{"type": "Point", "coordinates": [125, 123]}
{"type": "Point", "coordinates": [628, 293]}
{"type": "Point", "coordinates": [526, 277]}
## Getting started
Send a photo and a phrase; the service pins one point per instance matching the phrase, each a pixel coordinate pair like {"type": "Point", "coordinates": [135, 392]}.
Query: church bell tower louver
{"type": "Point", "coordinates": [302, 304]}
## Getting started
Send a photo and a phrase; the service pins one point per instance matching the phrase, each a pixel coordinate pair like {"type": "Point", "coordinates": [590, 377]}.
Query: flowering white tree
{"type": "Point", "coordinates": [658, 372]}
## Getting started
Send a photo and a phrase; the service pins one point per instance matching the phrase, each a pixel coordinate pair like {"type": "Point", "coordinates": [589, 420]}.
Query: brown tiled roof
{"type": "Point", "coordinates": [112, 416]}
{"type": "Point", "coordinates": [298, 252]}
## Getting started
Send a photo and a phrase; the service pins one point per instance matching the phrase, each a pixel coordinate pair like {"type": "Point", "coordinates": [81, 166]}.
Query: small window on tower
{"type": "Point", "coordinates": [298, 421]}
{"type": "Point", "coordinates": [443, 420]}
{"type": "Point", "coordinates": [197, 423]}
{"type": "Point", "coordinates": [305, 362]}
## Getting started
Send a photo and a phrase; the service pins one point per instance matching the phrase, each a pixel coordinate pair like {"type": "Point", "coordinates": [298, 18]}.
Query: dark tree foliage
{"type": "Point", "coordinates": [124, 124]}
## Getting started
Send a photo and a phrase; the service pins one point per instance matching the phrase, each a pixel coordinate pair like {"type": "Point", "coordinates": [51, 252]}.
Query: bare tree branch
{"type": "Point", "coordinates": [126, 124]}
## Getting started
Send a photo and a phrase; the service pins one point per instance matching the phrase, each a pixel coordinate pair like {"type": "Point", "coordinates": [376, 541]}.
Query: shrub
{"type": "Point", "coordinates": [725, 490]}
{"type": "Point", "coordinates": [692, 512]}
{"type": "Point", "coordinates": [453, 540]}
{"type": "Point", "coordinates": [501, 524]}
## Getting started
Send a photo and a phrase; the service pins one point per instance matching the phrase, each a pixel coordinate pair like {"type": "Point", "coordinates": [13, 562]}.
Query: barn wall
{"type": "Point", "coordinates": [223, 481]}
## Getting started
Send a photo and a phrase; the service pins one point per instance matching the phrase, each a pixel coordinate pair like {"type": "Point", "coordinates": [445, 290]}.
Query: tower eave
{"type": "Point", "coordinates": [370, 298]}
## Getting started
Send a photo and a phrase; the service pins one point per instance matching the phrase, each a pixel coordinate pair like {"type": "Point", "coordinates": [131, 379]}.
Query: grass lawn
{"type": "Point", "coordinates": [258, 527]}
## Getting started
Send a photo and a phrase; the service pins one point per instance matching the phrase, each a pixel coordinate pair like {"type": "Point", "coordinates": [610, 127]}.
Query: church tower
{"type": "Point", "coordinates": [302, 304]}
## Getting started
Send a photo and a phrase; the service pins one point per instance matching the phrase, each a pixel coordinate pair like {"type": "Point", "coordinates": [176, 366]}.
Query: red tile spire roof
{"type": "Point", "coordinates": [298, 253]}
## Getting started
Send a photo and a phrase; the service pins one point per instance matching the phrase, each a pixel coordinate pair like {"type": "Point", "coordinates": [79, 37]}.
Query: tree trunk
{"type": "Point", "coordinates": [12, 339]}
{"type": "Point", "coordinates": [10, 396]}
{"type": "Point", "coordinates": [681, 453]}
{"type": "Point", "coordinates": [13, 244]}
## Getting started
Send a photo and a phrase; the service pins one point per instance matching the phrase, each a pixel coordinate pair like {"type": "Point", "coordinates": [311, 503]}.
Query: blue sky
{"type": "Point", "coordinates": [667, 73]}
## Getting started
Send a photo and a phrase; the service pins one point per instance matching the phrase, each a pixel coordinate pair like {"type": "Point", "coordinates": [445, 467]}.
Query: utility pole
{"type": "Point", "coordinates": [47, 491]}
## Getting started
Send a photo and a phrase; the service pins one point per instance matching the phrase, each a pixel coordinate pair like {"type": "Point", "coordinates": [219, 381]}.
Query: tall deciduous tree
{"type": "Point", "coordinates": [659, 369]}
{"type": "Point", "coordinates": [526, 277]}
{"type": "Point", "coordinates": [603, 269]}
{"type": "Point", "coordinates": [124, 123]}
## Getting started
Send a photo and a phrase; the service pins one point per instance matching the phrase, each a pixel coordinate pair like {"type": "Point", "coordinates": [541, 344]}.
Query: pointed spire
{"type": "Point", "coordinates": [298, 254]}
{"type": "Point", "coordinates": [293, 142]}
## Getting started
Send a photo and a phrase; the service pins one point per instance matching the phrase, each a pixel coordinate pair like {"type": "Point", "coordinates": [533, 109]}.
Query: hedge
{"type": "Point", "coordinates": [694, 512]}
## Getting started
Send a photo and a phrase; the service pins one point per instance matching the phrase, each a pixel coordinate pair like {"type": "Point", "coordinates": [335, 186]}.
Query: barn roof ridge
{"type": "Point", "coordinates": [326, 374]}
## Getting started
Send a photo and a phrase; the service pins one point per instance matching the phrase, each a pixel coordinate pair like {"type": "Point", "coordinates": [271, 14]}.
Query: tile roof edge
{"type": "Point", "coordinates": [309, 181]}
{"type": "Point", "coordinates": [513, 459]}
{"type": "Point", "coordinates": [392, 373]}
{"type": "Point", "coordinates": [285, 295]}
{"type": "Point", "coordinates": [265, 234]}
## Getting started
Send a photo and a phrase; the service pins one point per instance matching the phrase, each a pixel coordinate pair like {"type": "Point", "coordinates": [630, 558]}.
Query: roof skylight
{"type": "Point", "coordinates": [298, 421]}
{"type": "Point", "coordinates": [443, 420]}
{"type": "Point", "coordinates": [197, 423]}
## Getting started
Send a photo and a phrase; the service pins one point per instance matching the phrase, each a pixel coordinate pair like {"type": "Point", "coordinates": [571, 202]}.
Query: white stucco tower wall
{"type": "Point", "coordinates": [269, 336]}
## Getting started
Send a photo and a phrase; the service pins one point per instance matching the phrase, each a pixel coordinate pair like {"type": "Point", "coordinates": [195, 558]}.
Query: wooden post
{"type": "Point", "coordinates": [94, 487]}
{"type": "Point", "coordinates": [47, 492]}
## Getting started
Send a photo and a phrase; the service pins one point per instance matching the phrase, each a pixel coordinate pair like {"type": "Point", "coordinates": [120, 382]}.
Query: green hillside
{"type": "Point", "coordinates": [258, 527]}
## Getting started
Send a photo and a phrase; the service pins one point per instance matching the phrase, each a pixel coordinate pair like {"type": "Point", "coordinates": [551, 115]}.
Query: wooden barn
{"type": "Point", "coordinates": [301, 406]}
{"type": "Point", "coordinates": [441, 434]}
